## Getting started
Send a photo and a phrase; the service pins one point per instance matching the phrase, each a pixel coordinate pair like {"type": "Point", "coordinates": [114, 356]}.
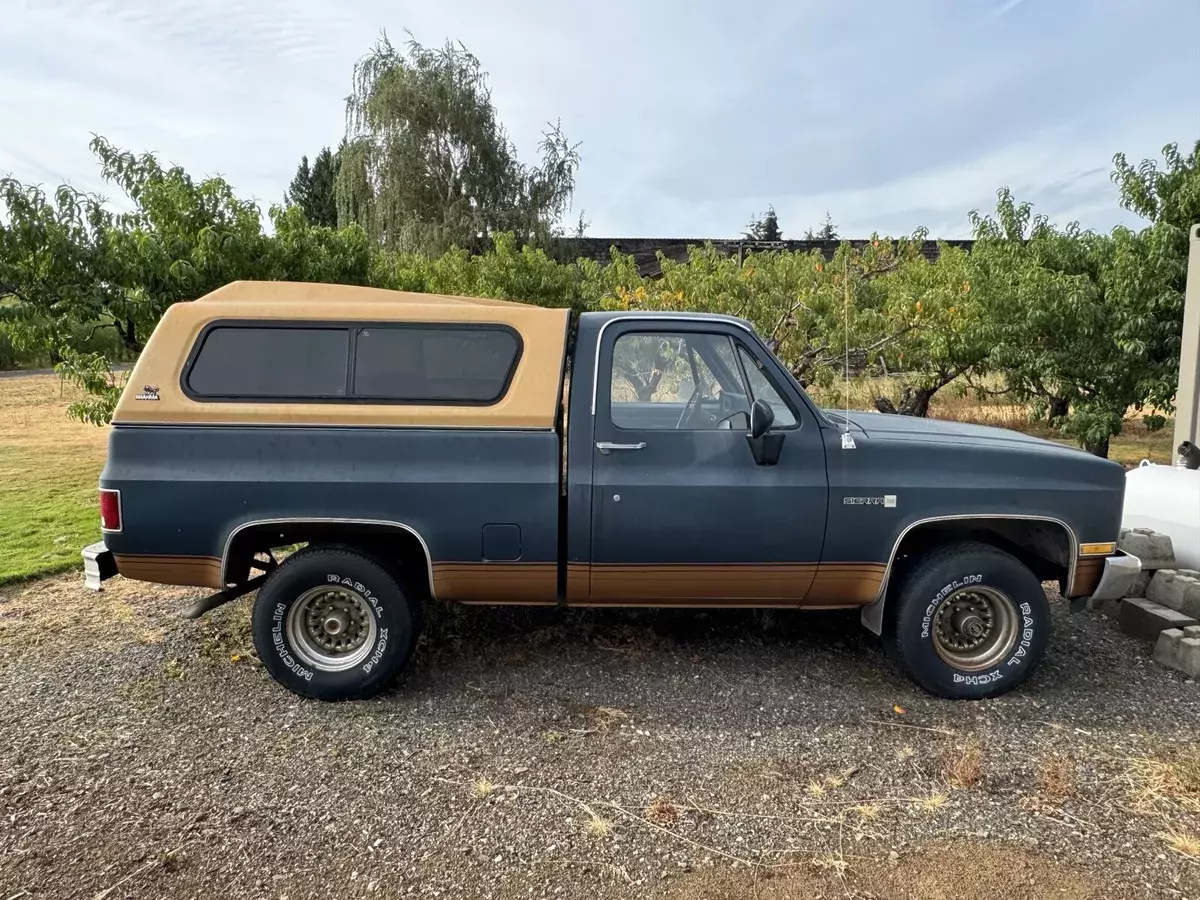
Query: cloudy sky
{"type": "Point", "coordinates": [691, 115]}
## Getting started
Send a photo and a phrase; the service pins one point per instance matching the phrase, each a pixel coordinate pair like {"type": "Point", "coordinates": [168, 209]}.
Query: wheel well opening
{"type": "Point", "coordinates": [390, 544]}
{"type": "Point", "coordinates": [1045, 547]}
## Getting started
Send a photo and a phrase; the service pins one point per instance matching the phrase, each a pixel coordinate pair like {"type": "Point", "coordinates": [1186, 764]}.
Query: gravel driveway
{"type": "Point", "coordinates": [542, 753]}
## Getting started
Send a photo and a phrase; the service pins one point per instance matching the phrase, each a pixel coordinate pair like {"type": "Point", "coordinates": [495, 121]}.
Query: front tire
{"type": "Point", "coordinates": [333, 624]}
{"type": "Point", "coordinates": [968, 622]}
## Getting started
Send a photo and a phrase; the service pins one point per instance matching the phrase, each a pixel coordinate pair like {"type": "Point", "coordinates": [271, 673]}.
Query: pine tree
{"type": "Point", "coordinates": [313, 188]}
{"type": "Point", "coordinates": [765, 227]}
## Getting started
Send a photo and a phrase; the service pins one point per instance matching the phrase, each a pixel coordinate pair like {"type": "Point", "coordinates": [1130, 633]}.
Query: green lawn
{"type": "Point", "coordinates": [49, 466]}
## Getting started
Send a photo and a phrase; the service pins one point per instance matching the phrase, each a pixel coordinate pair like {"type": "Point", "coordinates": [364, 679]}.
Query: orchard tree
{"type": "Point", "coordinates": [428, 165]}
{"type": "Point", "coordinates": [52, 261]}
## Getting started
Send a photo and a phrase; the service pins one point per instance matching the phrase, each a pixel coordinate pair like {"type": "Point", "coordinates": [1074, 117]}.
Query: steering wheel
{"type": "Point", "coordinates": [688, 408]}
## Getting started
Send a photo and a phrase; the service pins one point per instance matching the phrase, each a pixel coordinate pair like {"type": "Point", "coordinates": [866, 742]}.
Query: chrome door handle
{"type": "Point", "coordinates": [607, 447]}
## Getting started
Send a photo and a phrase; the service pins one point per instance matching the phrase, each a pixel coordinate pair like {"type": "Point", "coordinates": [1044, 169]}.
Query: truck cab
{"type": "Point", "coordinates": [418, 448]}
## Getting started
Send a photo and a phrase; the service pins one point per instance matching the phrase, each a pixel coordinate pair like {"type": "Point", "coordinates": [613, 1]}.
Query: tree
{"type": "Point", "coordinates": [1084, 319]}
{"type": "Point", "coordinates": [764, 227]}
{"type": "Point", "coordinates": [827, 231]}
{"type": "Point", "coordinates": [428, 165]}
{"type": "Point", "coordinates": [314, 190]}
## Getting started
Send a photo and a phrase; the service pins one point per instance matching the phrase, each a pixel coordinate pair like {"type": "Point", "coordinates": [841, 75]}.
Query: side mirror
{"type": "Point", "coordinates": [765, 445]}
{"type": "Point", "coordinates": [762, 417]}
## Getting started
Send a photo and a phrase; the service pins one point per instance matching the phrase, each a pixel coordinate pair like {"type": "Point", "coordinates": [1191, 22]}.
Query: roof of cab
{"type": "Point", "coordinates": [314, 292]}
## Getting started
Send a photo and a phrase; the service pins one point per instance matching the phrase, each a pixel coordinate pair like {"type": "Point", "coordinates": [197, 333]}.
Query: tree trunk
{"type": "Point", "coordinates": [1059, 408]}
{"type": "Point", "coordinates": [128, 335]}
{"type": "Point", "coordinates": [916, 403]}
{"type": "Point", "coordinates": [1099, 449]}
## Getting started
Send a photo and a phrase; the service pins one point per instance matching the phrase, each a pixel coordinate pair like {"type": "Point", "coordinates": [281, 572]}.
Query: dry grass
{"type": "Point", "coordinates": [1166, 782]}
{"type": "Point", "coordinates": [962, 870]}
{"type": "Point", "coordinates": [663, 811]}
{"type": "Point", "coordinates": [604, 718]}
{"type": "Point", "coordinates": [933, 804]}
{"type": "Point", "coordinates": [1057, 778]}
{"type": "Point", "coordinates": [956, 403]}
{"type": "Point", "coordinates": [56, 611]}
{"type": "Point", "coordinates": [598, 827]}
{"type": "Point", "coordinates": [49, 466]}
{"type": "Point", "coordinates": [962, 766]}
{"type": "Point", "coordinates": [481, 788]}
{"type": "Point", "coordinates": [1182, 842]}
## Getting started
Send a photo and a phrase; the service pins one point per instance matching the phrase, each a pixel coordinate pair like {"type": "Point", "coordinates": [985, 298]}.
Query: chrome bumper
{"type": "Point", "coordinates": [98, 565]}
{"type": "Point", "coordinates": [1120, 571]}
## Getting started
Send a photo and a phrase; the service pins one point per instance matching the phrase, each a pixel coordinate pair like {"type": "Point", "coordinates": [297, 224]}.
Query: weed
{"type": "Point", "coordinates": [1171, 779]}
{"type": "Point", "coordinates": [174, 668]}
{"type": "Point", "coordinates": [481, 788]}
{"type": "Point", "coordinates": [553, 737]}
{"type": "Point", "coordinates": [934, 803]}
{"type": "Point", "coordinates": [834, 862]}
{"type": "Point", "coordinates": [663, 811]}
{"type": "Point", "coordinates": [1056, 777]}
{"type": "Point", "coordinates": [605, 718]}
{"type": "Point", "coordinates": [598, 827]}
{"type": "Point", "coordinates": [866, 811]}
{"type": "Point", "coordinates": [816, 789]}
{"type": "Point", "coordinates": [1182, 842]}
{"type": "Point", "coordinates": [961, 766]}
{"type": "Point", "coordinates": [905, 753]}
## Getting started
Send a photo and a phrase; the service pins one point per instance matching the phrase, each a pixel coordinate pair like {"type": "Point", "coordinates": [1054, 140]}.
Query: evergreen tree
{"type": "Point", "coordinates": [765, 227]}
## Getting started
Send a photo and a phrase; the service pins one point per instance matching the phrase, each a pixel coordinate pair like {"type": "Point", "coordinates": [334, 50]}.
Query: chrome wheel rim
{"type": "Point", "coordinates": [975, 628]}
{"type": "Point", "coordinates": [331, 629]}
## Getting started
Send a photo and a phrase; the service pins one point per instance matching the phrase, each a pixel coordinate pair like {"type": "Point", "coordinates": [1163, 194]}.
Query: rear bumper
{"type": "Point", "coordinates": [98, 565]}
{"type": "Point", "coordinates": [1120, 571]}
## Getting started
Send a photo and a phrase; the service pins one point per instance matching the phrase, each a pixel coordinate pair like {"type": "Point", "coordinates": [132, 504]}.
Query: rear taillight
{"type": "Point", "coordinates": [110, 510]}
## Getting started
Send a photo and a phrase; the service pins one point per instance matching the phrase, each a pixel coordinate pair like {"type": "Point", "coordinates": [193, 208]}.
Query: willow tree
{"type": "Point", "coordinates": [427, 163]}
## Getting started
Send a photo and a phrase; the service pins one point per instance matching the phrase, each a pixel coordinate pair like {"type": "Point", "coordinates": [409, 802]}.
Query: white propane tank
{"type": "Point", "coordinates": [1166, 499]}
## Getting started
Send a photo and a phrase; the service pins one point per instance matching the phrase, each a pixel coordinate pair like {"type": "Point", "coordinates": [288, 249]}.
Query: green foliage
{"type": "Point", "coordinates": [1081, 326]}
{"type": "Point", "coordinates": [427, 165]}
{"type": "Point", "coordinates": [314, 190]}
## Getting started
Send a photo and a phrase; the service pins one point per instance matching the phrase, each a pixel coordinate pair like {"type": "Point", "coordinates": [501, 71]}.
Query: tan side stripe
{"type": "Point", "coordinates": [198, 571]}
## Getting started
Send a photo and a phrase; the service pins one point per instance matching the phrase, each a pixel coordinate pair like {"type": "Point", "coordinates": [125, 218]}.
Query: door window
{"type": "Point", "coordinates": [677, 381]}
{"type": "Point", "coordinates": [762, 389]}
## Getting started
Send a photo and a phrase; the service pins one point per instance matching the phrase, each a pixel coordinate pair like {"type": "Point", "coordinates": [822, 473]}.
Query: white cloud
{"type": "Point", "coordinates": [692, 115]}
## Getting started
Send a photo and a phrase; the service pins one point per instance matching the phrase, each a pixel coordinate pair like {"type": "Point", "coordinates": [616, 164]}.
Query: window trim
{"type": "Point", "coordinates": [666, 332]}
{"type": "Point", "coordinates": [739, 345]}
{"type": "Point", "coordinates": [353, 328]}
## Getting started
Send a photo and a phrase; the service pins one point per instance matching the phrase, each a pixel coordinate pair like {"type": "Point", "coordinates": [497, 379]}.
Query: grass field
{"type": "Point", "coordinates": [49, 464]}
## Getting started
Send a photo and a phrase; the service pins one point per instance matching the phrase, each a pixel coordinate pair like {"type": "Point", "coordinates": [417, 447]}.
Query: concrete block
{"type": "Point", "coordinates": [1153, 549]}
{"type": "Point", "coordinates": [1162, 553]}
{"type": "Point", "coordinates": [1190, 605]}
{"type": "Point", "coordinates": [1168, 587]}
{"type": "Point", "coordinates": [1189, 657]}
{"type": "Point", "coordinates": [1140, 584]}
{"type": "Point", "coordinates": [1192, 631]}
{"type": "Point", "coordinates": [1145, 619]}
{"type": "Point", "coordinates": [1166, 648]}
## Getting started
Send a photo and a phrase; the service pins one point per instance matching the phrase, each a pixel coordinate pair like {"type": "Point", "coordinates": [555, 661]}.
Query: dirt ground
{"type": "Point", "coordinates": [579, 754]}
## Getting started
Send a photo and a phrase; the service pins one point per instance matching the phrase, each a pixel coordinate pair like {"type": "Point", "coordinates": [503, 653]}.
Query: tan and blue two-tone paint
{"type": "Point", "coordinates": [512, 502]}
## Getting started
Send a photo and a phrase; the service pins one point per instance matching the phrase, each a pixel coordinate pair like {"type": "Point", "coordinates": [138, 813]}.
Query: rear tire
{"type": "Point", "coordinates": [333, 624]}
{"type": "Point", "coordinates": [968, 621]}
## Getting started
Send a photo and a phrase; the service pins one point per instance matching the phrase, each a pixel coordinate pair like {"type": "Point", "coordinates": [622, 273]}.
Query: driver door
{"type": "Point", "coordinates": [680, 511]}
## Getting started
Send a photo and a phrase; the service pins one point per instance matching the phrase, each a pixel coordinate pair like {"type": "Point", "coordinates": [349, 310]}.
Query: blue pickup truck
{"type": "Point", "coordinates": [353, 454]}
